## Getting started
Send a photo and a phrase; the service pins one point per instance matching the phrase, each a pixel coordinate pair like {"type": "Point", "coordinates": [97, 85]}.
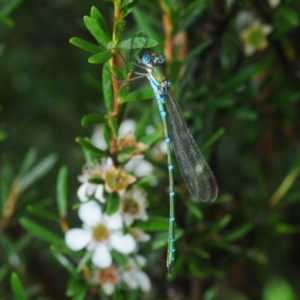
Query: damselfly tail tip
{"type": "Point", "coordinates": [170, 267]}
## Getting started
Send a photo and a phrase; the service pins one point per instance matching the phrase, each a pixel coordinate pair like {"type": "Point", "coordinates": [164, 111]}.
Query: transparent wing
{"type": "Point", "coordinates": [195, 171]}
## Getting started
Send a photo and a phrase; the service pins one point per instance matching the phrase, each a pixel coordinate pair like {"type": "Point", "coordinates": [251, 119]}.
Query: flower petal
{"type": "Point", "coordinates": [114, 221]}
{"type": "Point", "coordinates": [99, 193]}
{"type": "Point", "coordinates": [130, 280]}
{"type": "Point", "coordinates": [143, 280]}
{"type": "Point", "coordinates": [81, 193]}
{"type": "Point", "coordinates": [77, 238]}
{"type": "Point", "coordinates": [108, 288]}
{"type": "Point", "coordinates": [127, 126]}
{"type": "Point", "coordinates": [90, 213]}
{"type": "Point", "coordinates": [141, 260]}
{"type": "Point", "coordinates": [123, 243]}
{"type": "Point", "coordinates": [101, 257]}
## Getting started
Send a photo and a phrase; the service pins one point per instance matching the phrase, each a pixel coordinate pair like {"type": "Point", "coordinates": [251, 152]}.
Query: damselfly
{"type": "Point", "coordinates": [195, 171]}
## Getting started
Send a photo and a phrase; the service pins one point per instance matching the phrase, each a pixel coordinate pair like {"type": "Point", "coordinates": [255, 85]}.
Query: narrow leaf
{"type": "Point", "coordinates": [86, 144]}
{"type": "Point", "coordinates": [43, 213]}
{"type": "Point", "coordinates": [150, 139]}
{"type": "Point", "coordinates": [141, 94]}
{"type": "Point", "coordinates": [113, 203]}
{"type": "Point", "coordinates": [92, 119]}
{"type": "Point", "coordinates": [100, 58]}
{"type": "Point", "coordinates": [27, 162]}
{"type": "Point", "coordinates": [98, 32]}
{"type": "Point", "coordinates": [97, 16]}
{"type": "Point", "coordinates": [82, 44]}
{"type": "Point", "coordinates": [17, 288]}
{"type": "Point", "coordinates": [120, 258]}
{"type": "Point", "coordinates": [119, 26]}
{"type": "Point", "coordinates": [40, 232]}
{"type": "Point", "coordinates": [137, 43]}
{"type": "Point", "coordinates": [107, 88]}
{"type": "Point", "coordinates": [38, 171]}
{"type": "Point", "coordinates": [113, 124]}
{"type": "Point", "coordinates": [128, 6]}
{"type": "Point", "coordinates": [61, 191]}
{"type": "Point", "coordinates": [153, 224]}
{"type": "Point", "coordinates": [240, 232]}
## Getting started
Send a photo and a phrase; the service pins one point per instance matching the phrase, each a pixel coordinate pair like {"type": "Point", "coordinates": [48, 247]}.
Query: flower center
{"type": "Point", "coordinates": [100, 233]}
{"type": "Point", "coordinates": [256, 36]}
{"type": "Point", "coordinates": [107, 275]}
{"type": "Point", "coordinates": [130, 206]}
{"type": "Point", "coordinates": [117, 179]}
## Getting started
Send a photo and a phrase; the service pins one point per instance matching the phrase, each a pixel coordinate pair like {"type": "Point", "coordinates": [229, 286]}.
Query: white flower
{"type": "Point", "coordinates": [274, 3]}
{"type": "Point", "coordinates": [97, 138]}
{"type": "Point", "coordinates": [139, 235]}
{"type": "Point", "coordinates": [127, 126]}
{"type": "Point", "coordinates": [138, 166]}
{"type": "Point", "coordinates": [254, 38]}
{"type": "Point", "coordinates": [100, 234]}
{"type": "Point", "coordinates": [134, 277]}
{"type": "Point", "coordinates": [107, 278]}
{"type": "Point", "coordinates": [88, 189]}
{"type": "Point", "coordinates": [133, 206]}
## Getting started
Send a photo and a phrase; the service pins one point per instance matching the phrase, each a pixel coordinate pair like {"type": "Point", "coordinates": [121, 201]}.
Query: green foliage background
{"type": "Point", "coordinates": [246, 246]}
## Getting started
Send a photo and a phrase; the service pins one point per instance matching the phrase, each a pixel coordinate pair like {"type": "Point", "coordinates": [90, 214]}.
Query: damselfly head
{"type": "Point", "coordinates": [155, 59]}
{"type": "Point", "coordinates": [158, 58]}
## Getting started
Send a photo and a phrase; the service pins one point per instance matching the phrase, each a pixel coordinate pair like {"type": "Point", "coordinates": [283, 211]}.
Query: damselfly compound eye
{"type": "Point", "coordinates": [146, 59]}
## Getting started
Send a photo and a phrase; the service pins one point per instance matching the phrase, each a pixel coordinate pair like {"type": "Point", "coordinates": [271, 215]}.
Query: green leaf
{"type": "Point", "coordinates": [245, 74]}
{"type": "Point", "coordinates": [37, 172]}
{"type": "Point", "coordinates": [137, 43]}
{"type": "Point", "coordinates": [220, 224]}
{"type": "Point", "coordinates": [82, 44]}
{"type": "Point", "coordinates": [240, 232]}
{"type": "Point", "coordinates": [97, 31]}
{"type": "Point", "coordinates": [64, 261]}
{"type": "Point", "coordinates": [150, 139]}
{"type": "Point", "coordinates": [113, 124]}
{"type": "Point", "coordinates": [278, 289]}
{"type": "Point", "coordinates": [40, 232]}
{"type": "Point", "coordinates": [27, 162]}
{"type": "Point", "coordinates": [8, 7]}
{"type": "Point", "coordinates": [107, 88]}
{"type": "Point", "coordinates": [97, 16]}
{"type": "Point", "coordinates": [289, 15]}
{"type": "Point", "coordinates": [245, 114]}
{"type": "Point", "coordinates": [86, 145]}
{"type": "Point", "coordinates": [62, 192]}
{"type": "Point", "coordinates": [200, 252]}
{"type": "Point", "coordinates": [43, 213]}
{"type": "Point", "coordinates": [193, 54]}
{"type": "Point", "coordinates": [128, 6]}
{"type": "Point", "coordinates": [190, 14]}
{"type": "Point", "coordinates": [17, 288]}
{"type": "Point", "coordinates": [153, 224]}
{"type": "Point", "coordinates": [213, 139]}
{"type": "Point", "coordinates": [7, 22]}
{"type": "Point", "coordinates": [141, 94]}
{"type": "Point", "coordinates": [96, 180]}
{"type": "Point", "coordinates": [100, 58]}
{"type": "Point", "coordinates": [120, 258]}
{"type": "Point", "coordinates": [92, 119]}
{"type": "Point", "coordinates": [287, 228]}
{"type": "Point", "coordinates": [77, 289]}
{"type": "Point", "coordinates": [119, 26]}
{"type": "Point", "coordinates": [195, 210]}
{"type": "Point", "coordinates": [113, 203]}
{"type": "Point", "coordinates": [3, 135]}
